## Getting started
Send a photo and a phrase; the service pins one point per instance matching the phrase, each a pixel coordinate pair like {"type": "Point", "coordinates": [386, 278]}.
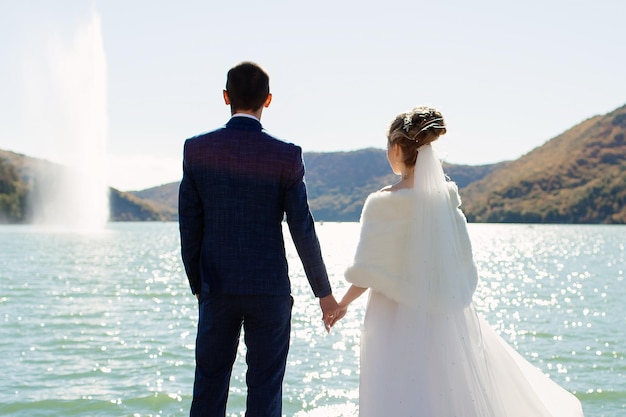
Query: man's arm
{"type": "Point", "coordinates": [191, 225]}
{"type": "Point", "coordinates": [302, 229]}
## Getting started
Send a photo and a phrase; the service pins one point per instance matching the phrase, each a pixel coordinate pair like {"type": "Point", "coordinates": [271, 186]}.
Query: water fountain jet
{"type": "Point", "coordinates": [73, 94]}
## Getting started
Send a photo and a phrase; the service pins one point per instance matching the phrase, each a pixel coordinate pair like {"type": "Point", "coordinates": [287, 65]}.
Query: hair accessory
{"type": "Point", "coordinates": [433, 123]}
{"type": "Point", "coordinates": [408, 122]}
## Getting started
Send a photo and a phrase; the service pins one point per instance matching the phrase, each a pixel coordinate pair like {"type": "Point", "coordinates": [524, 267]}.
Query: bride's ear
{"type": "Point", "coordinates": [396, 150]}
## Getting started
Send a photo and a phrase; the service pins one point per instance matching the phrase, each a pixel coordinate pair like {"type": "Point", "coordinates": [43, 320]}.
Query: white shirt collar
{"type": "Point", "coordinates": [245, 115]}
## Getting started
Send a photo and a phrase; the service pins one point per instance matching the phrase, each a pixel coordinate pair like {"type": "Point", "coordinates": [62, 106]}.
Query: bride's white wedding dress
{"type": "Point", "coordinates": [424, 350]}
{"type": "Point", "coordinates": [445, 365]}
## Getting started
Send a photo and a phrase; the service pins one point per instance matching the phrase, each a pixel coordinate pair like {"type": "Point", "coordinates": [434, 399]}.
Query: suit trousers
{"type": "Point", "coordinates": [266, 321]}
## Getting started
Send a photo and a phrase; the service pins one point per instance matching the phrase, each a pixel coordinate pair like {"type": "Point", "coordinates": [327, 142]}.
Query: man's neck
{"type": "Point", "coordinates": [253, 113]}
{"type": "Point", "coordinates": [248, 115]}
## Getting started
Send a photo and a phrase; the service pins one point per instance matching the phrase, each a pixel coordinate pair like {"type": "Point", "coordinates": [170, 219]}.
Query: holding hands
{"type": "Point", "coordinates": [332, 311]}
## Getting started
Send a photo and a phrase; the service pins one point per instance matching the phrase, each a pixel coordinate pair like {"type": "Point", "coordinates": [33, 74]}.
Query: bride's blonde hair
{"type": "Point", "coordinates": [414, 129]}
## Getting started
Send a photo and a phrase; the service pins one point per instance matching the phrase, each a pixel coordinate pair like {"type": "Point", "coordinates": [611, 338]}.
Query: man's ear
{"type": "Point", "coordinates": [226, 99]}
{"type": "Point", "coordinates": [268, 100]}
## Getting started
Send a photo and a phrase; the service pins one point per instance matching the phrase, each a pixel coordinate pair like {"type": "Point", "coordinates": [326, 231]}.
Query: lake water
{"type": "Point", "coordinates": [103, 324]}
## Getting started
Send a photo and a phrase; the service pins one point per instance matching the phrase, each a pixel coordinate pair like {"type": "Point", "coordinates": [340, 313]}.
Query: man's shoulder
{"type": "Point", "coordinates": [281, 143]}
{"type": "Point", "coordinates": [264, 140]}
{"type": "Point", "coordinates": [203, 140]}
{"type": "Point", "coordinates": [206, 135]}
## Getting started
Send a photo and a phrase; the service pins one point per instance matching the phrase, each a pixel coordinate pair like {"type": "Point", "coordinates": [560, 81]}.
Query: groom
{"type": "Point", "coordinates": [238, 184]}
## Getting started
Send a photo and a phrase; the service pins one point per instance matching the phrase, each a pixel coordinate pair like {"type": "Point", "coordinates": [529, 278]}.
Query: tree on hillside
{"type": "Point", "coordinates": [12, 194]}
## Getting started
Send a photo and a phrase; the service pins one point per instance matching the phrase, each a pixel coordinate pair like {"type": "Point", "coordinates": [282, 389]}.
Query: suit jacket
{"type": "Point", "coordinates": [238, 184]}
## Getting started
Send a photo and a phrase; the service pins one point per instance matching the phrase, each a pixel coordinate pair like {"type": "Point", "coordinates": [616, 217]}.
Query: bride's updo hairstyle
{"type": "Point", "coordinates": [414, 129]}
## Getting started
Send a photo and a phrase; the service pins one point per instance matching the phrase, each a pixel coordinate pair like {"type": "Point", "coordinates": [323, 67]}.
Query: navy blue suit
{"type": "Point", "coordinates": [238, 185]}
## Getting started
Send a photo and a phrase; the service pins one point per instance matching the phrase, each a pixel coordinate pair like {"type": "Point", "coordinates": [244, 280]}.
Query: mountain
{"type": "Point", "coordinates": [13, 193]}
{"type": "Point", "coordinates": [21, 177]}
{"type": "Point", "coordinates": [577, 177]}
{"type": "Point", "coordinates": [166, 195]}
{"type": "Point", "coordinates": [127, 207]}
{"type": "Point", "coordinates": [338, 182]}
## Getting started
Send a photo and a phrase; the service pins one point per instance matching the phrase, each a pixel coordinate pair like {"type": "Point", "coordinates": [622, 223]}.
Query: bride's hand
{"type": "Point", "coordinates": [341, 312]}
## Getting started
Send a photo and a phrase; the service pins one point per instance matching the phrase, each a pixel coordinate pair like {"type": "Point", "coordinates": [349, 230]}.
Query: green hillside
{"type": "Point", "coordinates": [166, 195]}
{"type": "Point", "coordinates": [127, 207]}
{"type": "Point", "coordinates": [12, 194]}
{"type": "Point", "coordinates": [21, 176]}
{"type": "Point", "coordinates": [577, 177]}
{"type": "Point", "coordinates": [338, 182]}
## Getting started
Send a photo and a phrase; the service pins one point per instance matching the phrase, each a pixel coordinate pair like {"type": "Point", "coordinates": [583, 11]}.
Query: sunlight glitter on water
{"type": "Point", "coordinates": [112, 331]}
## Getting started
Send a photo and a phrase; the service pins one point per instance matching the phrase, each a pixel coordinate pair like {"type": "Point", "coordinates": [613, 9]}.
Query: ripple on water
{"type": "Point", "coordinates": [112, 329]}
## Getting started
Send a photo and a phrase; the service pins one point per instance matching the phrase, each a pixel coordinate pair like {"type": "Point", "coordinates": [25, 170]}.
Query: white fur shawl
{"type": "Point", "coordinates": [386, 243]}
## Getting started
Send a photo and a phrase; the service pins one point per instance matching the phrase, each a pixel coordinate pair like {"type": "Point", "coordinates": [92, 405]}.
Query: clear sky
{"type": "Point", "coordinates": [508, 76]}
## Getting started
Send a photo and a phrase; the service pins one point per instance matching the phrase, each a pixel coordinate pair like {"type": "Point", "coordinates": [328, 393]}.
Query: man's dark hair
{"type": "Point", "coordinates": [248, 86]}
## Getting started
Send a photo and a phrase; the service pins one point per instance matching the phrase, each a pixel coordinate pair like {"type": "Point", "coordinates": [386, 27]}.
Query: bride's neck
{"type": "Point", "coordinates": [404, 183]}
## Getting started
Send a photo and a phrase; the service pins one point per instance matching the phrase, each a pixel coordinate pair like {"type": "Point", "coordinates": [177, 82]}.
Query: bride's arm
{"type": "Point", "coordinates": [352, 294]}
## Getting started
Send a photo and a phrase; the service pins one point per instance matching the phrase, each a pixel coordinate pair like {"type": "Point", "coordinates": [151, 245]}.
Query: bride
{"type": "Point", "coordinates": [424, 350]}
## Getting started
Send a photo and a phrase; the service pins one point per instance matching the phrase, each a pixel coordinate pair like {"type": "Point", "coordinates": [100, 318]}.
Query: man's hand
{"type": "Point", "coordinates": [341, 312]}
{"type": "Point", "coordinates": [330, 311]}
